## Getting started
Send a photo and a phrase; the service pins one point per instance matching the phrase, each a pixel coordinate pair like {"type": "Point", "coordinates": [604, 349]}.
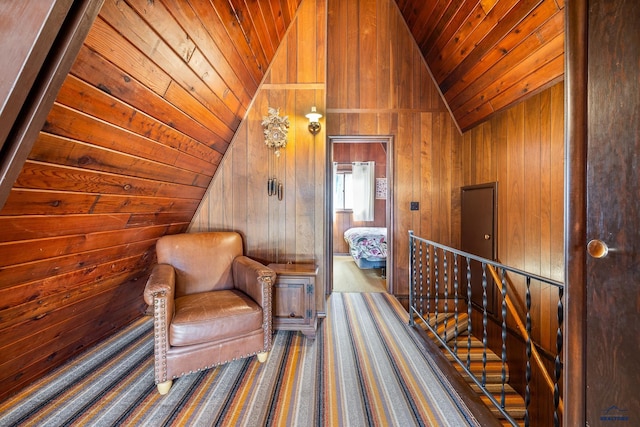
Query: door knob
{"type": "Point", "coordinates": [487, 236]}
{"type": "Point", "coordinates": [597, 248]}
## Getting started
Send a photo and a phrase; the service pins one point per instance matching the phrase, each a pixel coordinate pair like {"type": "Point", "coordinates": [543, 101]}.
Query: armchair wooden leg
{"type": "Point", "coordinates": [262, 357]}
{"type": "Point", "coordinates": [163, 388]}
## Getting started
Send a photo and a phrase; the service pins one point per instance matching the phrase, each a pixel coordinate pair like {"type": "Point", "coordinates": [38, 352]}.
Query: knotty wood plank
{"type": "Point", "coordinates": [427, 28]}
{"type": "Point", "coordinates": [40, 279]}
{"type": "Point", "coordinates": [216, 48]}
{"type": "Point", "coordinates": [237, 22]}
{"type": "Point", "coordinates": [263, 21]}
{"type": "Point", "coordinates": [337, 75]}
{"type": "Point", "coordinates": [493, 29]}
{"type": "Point", "coordinates": [549, 74]}
{"type": "Point", "coordinates": [102, 37]}
{"type": "Point", "coordinates": [98, 71]}
{"type": "Point", "coordinates": [108, 294]}
{"type": "Point", "coordinates": [23, 251]}
{"type": "Point", "coordinates": [368, 66]}
{"type": "Point", "coordinates": [70, 123]}
{"type": "Point", "coordinates": [507, 54]}
{"type": "Point", "coordinates": [29, 368]}
{"type": "Point", "coordinates": [128, 23]}
{"type": "Point", "coordinates": [499, 21]}
{"type": "Point", "coordinates": [36, 175]}
{"type": "Point", "coordinates": [16, 228]}
{"type": "Point", "coordinates": [75, 286]}
{"type": "Point", "coordinates": [176, 221]}
{"type": "Point", "coordinates": [436, 63]}
{"type": "Point", "coordinates": [500, 93]}
{"type": "Point", "coordinates": [79, 95]}
{"type": "Point", "coordinates": [228, 38]}
{"type": "Point", "coordinates": [50, 337]}
{"type": "Point", "coordinates": [431, 45]}
{"type": "Point", "coordinates": [37, 202]}
{"type": "Point", "coordinates": [384, 33]}
{"type": "Point", "coordinates": [63, 151]}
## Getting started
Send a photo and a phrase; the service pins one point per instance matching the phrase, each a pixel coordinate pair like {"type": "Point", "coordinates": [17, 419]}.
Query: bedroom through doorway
{"type": "Point", "coordinates": [359, 191]}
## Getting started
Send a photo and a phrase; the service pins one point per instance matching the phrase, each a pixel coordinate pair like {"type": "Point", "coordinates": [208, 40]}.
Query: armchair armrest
{"type": "Point", "coordinates": [159, 293]}
{"type": "Point", "coordinates": [161, 283]}
{"type": "Point", "coordinates": [254, 279]}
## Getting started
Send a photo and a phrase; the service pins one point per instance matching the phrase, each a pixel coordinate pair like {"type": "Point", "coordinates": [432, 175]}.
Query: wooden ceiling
{"type": "Point", "coordinates": [487, 55]}
{"type": "Point", "coordinates": [143, 120]}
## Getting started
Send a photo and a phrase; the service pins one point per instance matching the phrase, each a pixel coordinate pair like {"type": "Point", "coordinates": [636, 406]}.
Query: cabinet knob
{"type": "Point", "coordinates": [292, 314]}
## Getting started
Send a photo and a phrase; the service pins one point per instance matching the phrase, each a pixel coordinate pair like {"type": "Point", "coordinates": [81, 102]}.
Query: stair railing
{"type": "Point", "coordinates": [436, 281]}
{"type": "Point", "coordinates": [525, 331]}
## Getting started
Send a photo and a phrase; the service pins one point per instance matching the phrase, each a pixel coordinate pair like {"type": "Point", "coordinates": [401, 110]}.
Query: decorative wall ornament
{"type": "Point", "coordinates": [275, 131]}
{"type": "Point", "coordinates": [276, 128]}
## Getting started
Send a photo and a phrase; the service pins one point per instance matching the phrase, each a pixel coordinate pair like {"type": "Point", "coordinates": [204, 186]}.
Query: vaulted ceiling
{"type": "Point", "coordinates": [487, 55]}
{"type": "Point", "coordinates": [144, 117]}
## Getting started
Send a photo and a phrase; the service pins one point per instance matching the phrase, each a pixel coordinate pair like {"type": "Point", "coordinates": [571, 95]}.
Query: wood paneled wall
{"type": "Point", "coordinates": [522, 149]}
{"type": "Point", "coordinates": [378, 84]}
{"type": "Point", "coordinates": [359, 152]}
{"type": "Point", "coordinates": [127, 152]}
{"type": "Point", "coordinates": [488, 55]}
{"type": "Point", "coordinates": [291, 229]}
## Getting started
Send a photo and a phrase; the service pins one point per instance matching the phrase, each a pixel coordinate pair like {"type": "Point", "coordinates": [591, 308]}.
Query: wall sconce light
{"type": "Point", "coordinates": [314, 123]}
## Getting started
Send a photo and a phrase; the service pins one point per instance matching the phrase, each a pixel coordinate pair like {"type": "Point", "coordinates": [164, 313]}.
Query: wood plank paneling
{"type": "Point", "coordinates": [126, 154]}
{"type": "Point", "coordinates": [291, 229]}
{"type": "Point", "coordinates": [506, 47]}
{"type": "Point", "coordinates": [406, 106]}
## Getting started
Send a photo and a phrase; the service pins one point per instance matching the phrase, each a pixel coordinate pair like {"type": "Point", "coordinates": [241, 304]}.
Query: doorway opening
{"type": "Point", "coordinates": [360, 260]}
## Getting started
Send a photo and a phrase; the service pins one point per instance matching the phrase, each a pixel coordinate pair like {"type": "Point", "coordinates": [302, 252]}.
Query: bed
{"type": "Point", "coordinates": [367, 246]}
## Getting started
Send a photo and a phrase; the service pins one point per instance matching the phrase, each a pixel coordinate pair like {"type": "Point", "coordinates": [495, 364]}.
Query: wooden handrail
{"type": "Point", "coordinates": [523, 330]}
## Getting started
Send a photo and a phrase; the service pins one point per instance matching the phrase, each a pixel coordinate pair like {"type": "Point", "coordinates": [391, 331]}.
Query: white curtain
{"type": "Point", "coordinates": [363, 176]}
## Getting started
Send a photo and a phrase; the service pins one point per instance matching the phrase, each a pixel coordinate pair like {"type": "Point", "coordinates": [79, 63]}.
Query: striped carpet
{"type": "Point", "coordinates": [365, 368]}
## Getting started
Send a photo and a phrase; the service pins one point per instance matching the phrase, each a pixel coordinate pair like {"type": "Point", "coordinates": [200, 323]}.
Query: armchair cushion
{"type": "Point", "coordinates": [213, 316]}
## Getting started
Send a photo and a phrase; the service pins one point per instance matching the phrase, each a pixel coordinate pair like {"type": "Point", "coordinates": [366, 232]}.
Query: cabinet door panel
{"type": "Point", "coordinates": [290, 300]}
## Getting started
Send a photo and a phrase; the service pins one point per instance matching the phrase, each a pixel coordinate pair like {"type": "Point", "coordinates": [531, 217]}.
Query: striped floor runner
{"type": "Point", "coordinates": [365, 368]}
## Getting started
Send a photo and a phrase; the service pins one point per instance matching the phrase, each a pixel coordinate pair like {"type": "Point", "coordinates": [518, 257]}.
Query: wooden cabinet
{"type": "Point", "coordinates": [294, 306]}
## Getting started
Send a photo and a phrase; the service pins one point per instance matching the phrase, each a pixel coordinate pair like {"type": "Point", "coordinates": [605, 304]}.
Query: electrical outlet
{"type": "Point", "coordinates": [415, 206]}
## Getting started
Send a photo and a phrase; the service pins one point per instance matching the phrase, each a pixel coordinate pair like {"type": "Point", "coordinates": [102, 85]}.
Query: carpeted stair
{"type": "Point", "coordinates": [514, 403]}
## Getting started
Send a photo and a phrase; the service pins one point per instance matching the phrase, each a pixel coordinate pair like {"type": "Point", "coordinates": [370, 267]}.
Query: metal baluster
{"type": "Point", "coordinates": [470, 328]}
{"type": "Point", "coordinates": [455, 303]}
{"type": "Point", "coordinates": [436, 280]}
{"type": "Point", "coordinates": [412, 275]}
{"type": "Point", "coordinates": [558, 362]}
{"type": "Point", "coordinates": [428, 262]}
{"type": "Point", "coordinates": [421, 280]}
{"type": "Point", "coordinates": [527, 389]}
{"type": "Point", "coordinates": [446, 294]}
{"type": "Point", "coordinates": [504, 338]}
{"type": "Point", "coordinates": [484, 324]}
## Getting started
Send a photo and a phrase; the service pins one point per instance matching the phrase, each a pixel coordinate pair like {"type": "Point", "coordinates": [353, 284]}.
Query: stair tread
{"type": "Point", "coordinates": [514, 403]}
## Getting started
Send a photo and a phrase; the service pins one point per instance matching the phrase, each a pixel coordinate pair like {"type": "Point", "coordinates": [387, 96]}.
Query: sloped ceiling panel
{"type": "Point", "coordinates": [136, 133]}
{"type": "Point", "coordinates": [487, 55]}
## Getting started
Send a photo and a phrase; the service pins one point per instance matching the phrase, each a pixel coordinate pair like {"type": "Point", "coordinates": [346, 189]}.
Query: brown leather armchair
{"type": "Point", "coordinates": [210, 304]}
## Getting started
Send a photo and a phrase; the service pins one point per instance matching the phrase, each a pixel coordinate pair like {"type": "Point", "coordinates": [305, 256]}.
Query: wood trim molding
{"type": "Point", "coordinates": [575, 212]}
{"type": "Point", "coordinates": [389, 140]}
{"type": "Point", "coordinates": [55, 65]}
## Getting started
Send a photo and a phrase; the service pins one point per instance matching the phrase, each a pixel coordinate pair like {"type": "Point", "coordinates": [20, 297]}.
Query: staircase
{"type": "Point", "coordinates": [514, 403]}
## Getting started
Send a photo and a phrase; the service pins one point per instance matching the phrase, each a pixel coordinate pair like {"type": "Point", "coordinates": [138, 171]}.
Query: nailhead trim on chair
{"type": "Point", "coordinates": [268, 317]}
{"type": "Point", "coordinates": [160, 348]}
